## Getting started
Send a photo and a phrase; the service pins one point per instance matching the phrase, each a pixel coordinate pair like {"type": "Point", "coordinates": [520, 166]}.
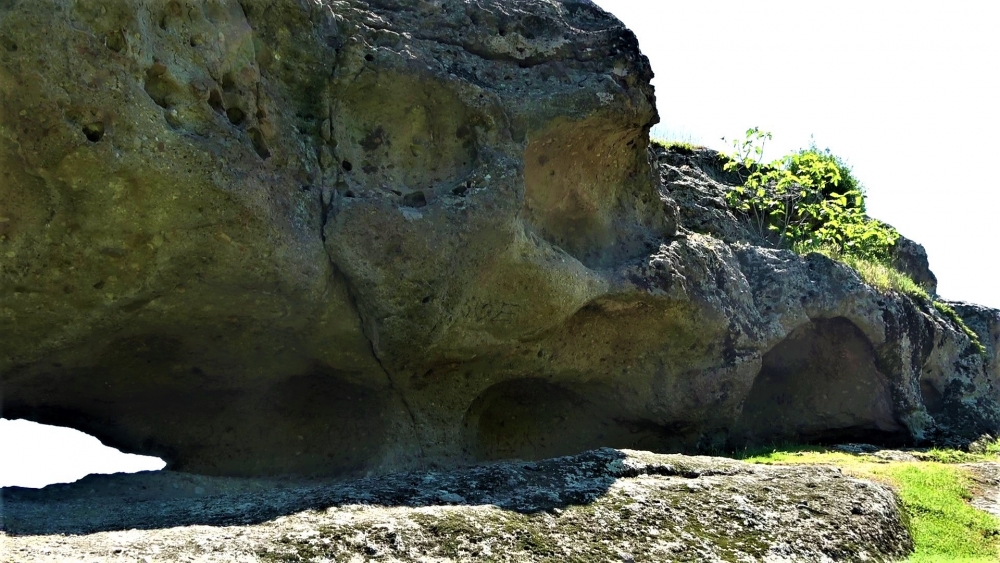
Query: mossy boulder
{"type": "Point", "coordinates": [602, 505]}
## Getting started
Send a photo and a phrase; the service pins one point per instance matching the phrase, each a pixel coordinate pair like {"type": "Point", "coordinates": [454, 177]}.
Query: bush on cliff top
{"type": "Point", "coordinates": [810, 201]}
{"type": "Point", "coordinates": [808, 198]}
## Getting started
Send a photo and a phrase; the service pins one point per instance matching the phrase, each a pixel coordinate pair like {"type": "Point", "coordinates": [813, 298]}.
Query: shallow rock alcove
{"type": "Point", "coordinates": [820, 383]}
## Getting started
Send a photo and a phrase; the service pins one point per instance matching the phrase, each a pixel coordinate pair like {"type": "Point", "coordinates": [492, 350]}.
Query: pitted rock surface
{"type": "Point", "coordinates": [986, 490]}
{"type": "Point", "coordinates": [603, 505]}
{"type": "Point", "coordinates": [336, 237]}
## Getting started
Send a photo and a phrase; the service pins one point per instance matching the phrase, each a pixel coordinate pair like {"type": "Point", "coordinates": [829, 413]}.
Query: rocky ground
{"type": "Point", "coordinates": [986, 477]}
{"type": "Point", "coordinates": [602, 505]}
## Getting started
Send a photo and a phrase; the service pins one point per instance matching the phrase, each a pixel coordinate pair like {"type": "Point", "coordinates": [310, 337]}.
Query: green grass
{"type": "Point", "coordinates": [935, 497]}
{"type": "Point", "coordinates": [947, 311]}
{"type": "Point", "coordinates": [987, 446]}
{"type": "Point", "coordinates": [879, 275]}
{"type": "Point", "coordinates": [683, 145]}
{"type": "Point", "coordinates": [885, 279]}
{"type": "Point", "coordinates": [944, 526]}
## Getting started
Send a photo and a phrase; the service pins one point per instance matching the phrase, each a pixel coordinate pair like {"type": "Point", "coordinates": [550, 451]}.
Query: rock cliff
{"type": "Point", "coordinates": [345, 236]}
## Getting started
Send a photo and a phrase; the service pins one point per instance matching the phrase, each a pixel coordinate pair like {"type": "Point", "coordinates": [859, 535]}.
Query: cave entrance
{"type": "Point", "coordinates": [36, 455]}
{"type": "Point", "coordinates": [533, 418]}
{"type": "Point", "coordinates": [820, 385]}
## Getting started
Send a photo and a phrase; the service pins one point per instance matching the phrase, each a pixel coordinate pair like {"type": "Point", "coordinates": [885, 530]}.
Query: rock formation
{"type": "Point", "coordinates": [346, 236]}
{"type": "Point", "coordinates": [604, 505]}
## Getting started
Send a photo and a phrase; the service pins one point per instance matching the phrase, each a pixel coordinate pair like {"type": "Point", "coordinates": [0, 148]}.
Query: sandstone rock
{"type": "Point", "coordinates": [342, 237]}
{"type": "Point", "coordinates": [942, 390]}
{"type": "Point", "coordinates": [238, 228]}
{"type": "Point", "coordinates": [603, 505]}
{"type": "Point", "coordinates": [698, 183]}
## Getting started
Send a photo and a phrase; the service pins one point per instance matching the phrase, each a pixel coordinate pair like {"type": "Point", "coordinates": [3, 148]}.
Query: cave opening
{"type": "Point", "coordinates": [820, 385]}
{"type": "Point", "coordinates": [37, 455]}
{"type": "Point", "coordinates": [533, 418]}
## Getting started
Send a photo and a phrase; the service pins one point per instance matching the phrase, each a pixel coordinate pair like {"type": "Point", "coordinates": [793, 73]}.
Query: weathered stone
{"type": "Point", "coordinates": [986, 476]}
{"type": "Point", "coordinates": [911, 259]}
{"type": "Point", "coordinates": [238, 235]}
{"type": "Point", "coordinates": [603, 505]}
{"type": "Point", "coordinates": [342, 237]}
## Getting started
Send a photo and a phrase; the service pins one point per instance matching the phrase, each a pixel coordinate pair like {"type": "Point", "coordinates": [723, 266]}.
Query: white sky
{"type": "Point", "coordinates": [34, 455]}
{"type": "Point", "coordinates": [906, 92]}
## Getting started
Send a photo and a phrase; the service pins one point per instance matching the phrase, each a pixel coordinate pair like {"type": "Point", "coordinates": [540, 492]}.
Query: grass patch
{"type": "Point", "coordinates": [950, 313]}
{"type": "Point", "coordinates": [879, 275]}
{"type": "Point", "coordinates": [885, 279]}
{"type": "Point", "coordinates": [944, 526]}
{"type": "Point", "coordinates": [679, 146]}
{"type": "Point", "coordinates": [935, 494]}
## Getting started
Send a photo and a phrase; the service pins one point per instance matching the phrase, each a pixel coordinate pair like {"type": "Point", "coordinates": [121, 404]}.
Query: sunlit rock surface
{"type": "Point", "coordinates": [342, 237]}
{"type": "Point", "coordinates": [604, 505]}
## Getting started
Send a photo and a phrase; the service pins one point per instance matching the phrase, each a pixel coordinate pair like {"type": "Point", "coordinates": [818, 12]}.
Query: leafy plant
{"type": "Point", "coordinates": [811, 202]}
{"type": "Point", "coordinates": [848, 182]}
{"type": "Point", "coordinates": [803, 198]}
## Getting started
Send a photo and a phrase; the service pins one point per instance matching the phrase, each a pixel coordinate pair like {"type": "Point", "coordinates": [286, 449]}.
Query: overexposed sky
{"type": "Point", "coordinates": [35, 455]}
{"type": "Point", "coordinates": [906, 92]}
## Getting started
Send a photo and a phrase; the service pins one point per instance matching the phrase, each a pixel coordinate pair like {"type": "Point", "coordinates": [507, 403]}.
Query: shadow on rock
{"type": "Point", "coordinates": [165, 499]}
{"type": "Point", "coordinates": [602, 505]}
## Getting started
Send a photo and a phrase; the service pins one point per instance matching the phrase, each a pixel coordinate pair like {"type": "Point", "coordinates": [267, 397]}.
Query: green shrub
{"type": "Point", "coordinates": [809, 197]}
{"type": "Point", "coordinates": [811, 202]}
{"type": "Point", "coordinates": [848, 182]}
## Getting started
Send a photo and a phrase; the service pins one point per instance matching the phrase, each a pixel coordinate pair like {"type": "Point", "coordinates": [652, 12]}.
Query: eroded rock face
{"type": "Point", "coordinates": [285, 236]}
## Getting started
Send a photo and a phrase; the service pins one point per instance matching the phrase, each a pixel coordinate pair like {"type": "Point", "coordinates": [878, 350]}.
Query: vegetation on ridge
{"type": "Point", "coordinates": [947, 311]}
{"type": "Point", "coordinates": [683, 146]}
{"type": "Point", "coordinates": [808, 198]}
{"type": "Point", "coordinates": [810, 201]}
{"type": "Point", "coordinates": [875, 273]}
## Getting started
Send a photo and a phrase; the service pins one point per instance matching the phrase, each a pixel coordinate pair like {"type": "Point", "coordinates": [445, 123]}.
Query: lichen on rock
{"type": "Point", "coordinates": [602, 505]}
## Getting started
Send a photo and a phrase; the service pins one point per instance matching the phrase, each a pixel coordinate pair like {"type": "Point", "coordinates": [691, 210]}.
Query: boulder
{"type": "Point", "coordinates": [603, 505]}
{"type": "Point", "coordinates": [910, 258]}
{"type": "Point", "coordinates": [342, 237]}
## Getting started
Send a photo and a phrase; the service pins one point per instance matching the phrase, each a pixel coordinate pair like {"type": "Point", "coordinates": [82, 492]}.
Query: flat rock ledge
{"type": "Point", "coordinates": [602, 505]}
